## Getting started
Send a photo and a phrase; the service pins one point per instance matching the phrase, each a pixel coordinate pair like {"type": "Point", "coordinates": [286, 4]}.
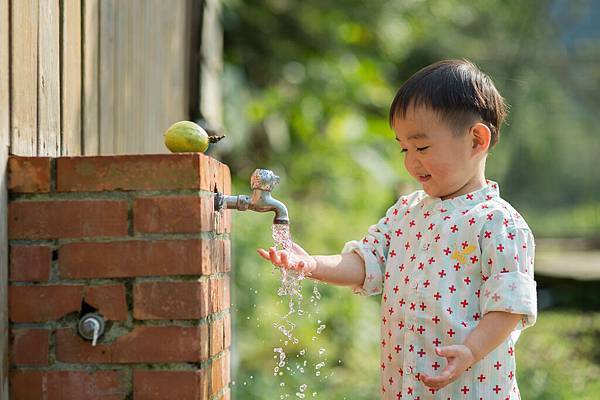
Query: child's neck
{"type": "Point", "coordinates": [478, 182]}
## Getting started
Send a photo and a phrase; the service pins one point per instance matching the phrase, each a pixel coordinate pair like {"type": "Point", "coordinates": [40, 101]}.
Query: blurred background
{"type": "Point", "coordinates": [307, 87]}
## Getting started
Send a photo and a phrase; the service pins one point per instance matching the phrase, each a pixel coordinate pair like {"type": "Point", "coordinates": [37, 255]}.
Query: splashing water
{"type": "Point", "coordinates": [291, 287]}
{"type": "Point", "coordinates": [290, 279]}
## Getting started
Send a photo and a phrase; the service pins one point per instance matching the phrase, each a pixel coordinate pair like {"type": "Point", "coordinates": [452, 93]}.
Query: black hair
{"type": "Point", "coordinates": [458, 91]}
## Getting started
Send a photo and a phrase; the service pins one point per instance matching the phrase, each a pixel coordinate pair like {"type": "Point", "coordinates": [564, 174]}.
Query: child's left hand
{"type": "Point", "coordinates": [459, 358]}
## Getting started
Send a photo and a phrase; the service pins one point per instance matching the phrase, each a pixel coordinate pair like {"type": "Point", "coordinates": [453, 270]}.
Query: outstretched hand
{"type": "Point", "coordinates": [297, 259]}
{"type": "Point", "coordinates": [459, 358]}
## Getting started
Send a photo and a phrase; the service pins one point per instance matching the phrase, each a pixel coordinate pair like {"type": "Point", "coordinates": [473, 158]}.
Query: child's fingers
{"type": "Point", "coordinates": [264, 254]}
{"type": "Point", "coordinates": [285, 261]}
{"type": "Point", "coordinates": [274, 256]}
{"type": "Point", "coordinates": [439, 381]}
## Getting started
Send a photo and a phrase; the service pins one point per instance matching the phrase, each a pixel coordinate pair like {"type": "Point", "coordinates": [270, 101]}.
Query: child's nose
{"type": "Point", "coordinates": [412, 162]}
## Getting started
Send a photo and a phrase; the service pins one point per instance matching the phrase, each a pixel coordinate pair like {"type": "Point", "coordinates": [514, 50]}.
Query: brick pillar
{"type": "Point", "coordinates": [132, 238]}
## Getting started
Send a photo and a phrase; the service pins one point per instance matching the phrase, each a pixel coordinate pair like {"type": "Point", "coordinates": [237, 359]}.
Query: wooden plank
{"type": "Point", "coordinates": [71, 77]}
{"type": "Point", "coordinates": [107, 77]}
{"type": "Point", "coordinates": [123, 81]}
{"type": "Point", "coordinates": [90, 77]}
{"type": "Point", "coordinates": [4, 142]}
{"type": "Point", "coordinates": [48, 82]}
{"type": "Point", "coordinates": [24, 17]}
{"type": "Point", "coordinates": [151, 73]}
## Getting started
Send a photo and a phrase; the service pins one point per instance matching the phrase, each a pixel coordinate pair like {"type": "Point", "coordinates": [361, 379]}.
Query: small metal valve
{"type": "Point", "coordinates": [91, 327]}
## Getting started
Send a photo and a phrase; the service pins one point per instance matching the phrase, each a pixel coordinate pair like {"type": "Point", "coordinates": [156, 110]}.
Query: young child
{"type": "Point", "coordinates": [453, 261]}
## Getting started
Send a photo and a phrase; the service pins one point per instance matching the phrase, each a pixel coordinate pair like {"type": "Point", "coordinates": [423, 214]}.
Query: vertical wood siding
{"type": "Point", "coordinates": [95, 76]}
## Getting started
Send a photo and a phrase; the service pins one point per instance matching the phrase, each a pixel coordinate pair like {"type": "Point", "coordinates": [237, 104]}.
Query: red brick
{"type": "Point", "coordinates": [216, 337]}
{"type": "Point", "coordinates": [170, 300]}
{"type": "Point", "coordinates": [145, 344]}
{"type": "Point", "coordinates": [226, 176]}
{"type": "Point", "coordinates": [204, 341]}
{"type": "Point", "coordinates": [207, 257]}
{"type": "Point", "coordinates": [216, 255]}
{"type": "Point", "coordinates": [204, 378]}
{"type": "Point", "coordinates": [172, 214]}
{"type": "Point", "coordinates": [130, 172]}
{"type": "Point", "coordinates": [63, 385]}
{"type": "Point", "coordinates": [159, 344]}
{"type": "Point", "coordinates": [220, 373]}
{"type": "Point", "coordinates": [50, 303]}
{"type": "Point", "coordinates": [207, 214]}
{"type": "Point", "coordinates": [226, 255]}
{"type": "Point", "coordinates": [160, 385]}
{"type": "Point", "coordinates": [209, 175]}
{"type": "Point", "coordinates": [130, 258]}
{"type": "Point", "coordinates": [110, 300]}
{"type": "Point", "coordinates": [30, 263]}
{"type": "Point", "coordinates": [227, 331]}
{"type": "Point", "coordinates": [226, 395]}
{"type": "Point", "coordinates": [29, 346]}
{"type": "Point", "coordinates": [29, 174]}
{"type": "Point", "coordinates": [219, 294]}
{"type": "Point", "coordinates": [71, 348]}
{"type": "Point", "coordinates": [221, 257]}
{"type": "Point", "coordinates": [66, 219]}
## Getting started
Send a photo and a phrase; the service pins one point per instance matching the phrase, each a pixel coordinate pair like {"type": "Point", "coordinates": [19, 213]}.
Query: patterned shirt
{"type": "Point", "coordinates": [440, 266]}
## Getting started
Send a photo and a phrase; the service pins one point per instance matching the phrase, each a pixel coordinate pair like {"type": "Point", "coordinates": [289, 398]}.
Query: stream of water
{"type": "Point", "coordinates": [291, 289]}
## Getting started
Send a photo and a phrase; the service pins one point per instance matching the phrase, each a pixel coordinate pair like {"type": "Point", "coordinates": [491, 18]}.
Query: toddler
{"type": "Point", "coordinates": [454, 261]}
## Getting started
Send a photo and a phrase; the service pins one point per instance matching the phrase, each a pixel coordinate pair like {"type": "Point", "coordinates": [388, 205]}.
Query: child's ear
{"type": "Point", "coordinates": [481, 137]}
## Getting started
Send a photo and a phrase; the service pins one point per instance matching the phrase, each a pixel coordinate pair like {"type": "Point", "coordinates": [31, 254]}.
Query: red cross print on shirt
{"type": "Point", "coordinates": [465, 390]}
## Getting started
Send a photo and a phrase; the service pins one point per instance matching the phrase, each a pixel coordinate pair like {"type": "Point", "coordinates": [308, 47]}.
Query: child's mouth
{"type": "Point", "coordinates": [424, 178]}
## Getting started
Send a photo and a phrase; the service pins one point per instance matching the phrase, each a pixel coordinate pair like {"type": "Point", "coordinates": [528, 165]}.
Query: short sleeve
{"type": "Point", "coordinates": [373, 249]}
{"type": "Point", "coordinates": [508, 283]}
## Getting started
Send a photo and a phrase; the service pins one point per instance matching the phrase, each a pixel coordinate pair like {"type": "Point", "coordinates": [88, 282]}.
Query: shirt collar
{"type": "Point", "coordinates": [486, 193]}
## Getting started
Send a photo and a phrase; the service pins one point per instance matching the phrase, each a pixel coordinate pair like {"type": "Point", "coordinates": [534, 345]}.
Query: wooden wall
{"type": "Point", "coordinates": [103, 76]}
{"type": "Point", "coordinates": [87, 77]}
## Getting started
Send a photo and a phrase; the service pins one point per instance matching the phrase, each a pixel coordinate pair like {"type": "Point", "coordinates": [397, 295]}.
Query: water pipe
{"type": "Point", "coordinates": [262, 181]}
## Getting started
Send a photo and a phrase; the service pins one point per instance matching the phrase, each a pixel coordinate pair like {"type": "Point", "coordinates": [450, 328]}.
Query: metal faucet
{"type": "Point", "coordinates": [262, 181]}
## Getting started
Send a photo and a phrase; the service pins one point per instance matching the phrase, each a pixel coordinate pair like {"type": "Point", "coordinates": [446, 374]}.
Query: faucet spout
{"type": "Point", "coordinates": [263, 182]}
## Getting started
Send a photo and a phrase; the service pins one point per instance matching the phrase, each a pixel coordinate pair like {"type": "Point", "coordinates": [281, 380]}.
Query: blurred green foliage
{"type": "Point", "coordinates": [307, 86]}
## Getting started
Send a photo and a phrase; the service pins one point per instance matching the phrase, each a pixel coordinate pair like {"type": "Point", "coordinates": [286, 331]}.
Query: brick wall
{"type": "Point", "coordinates": [134, 239]}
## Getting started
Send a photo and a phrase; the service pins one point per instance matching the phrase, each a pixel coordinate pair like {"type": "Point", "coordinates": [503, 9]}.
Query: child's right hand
{"type": "Point", "coordinates": [298, 259]}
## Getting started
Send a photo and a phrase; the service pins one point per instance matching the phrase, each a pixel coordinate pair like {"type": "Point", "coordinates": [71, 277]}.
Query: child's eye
{"type": "Point", "coordinates": [403, 151]}
{"type": "Point", "coordinates": [422, 148]}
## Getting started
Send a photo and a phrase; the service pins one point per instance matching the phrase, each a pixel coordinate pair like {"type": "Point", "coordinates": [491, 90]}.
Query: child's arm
{"type": "Point", "coordinates": [492, 330]}
{"type": "Point", "coordinates": [346, 269]}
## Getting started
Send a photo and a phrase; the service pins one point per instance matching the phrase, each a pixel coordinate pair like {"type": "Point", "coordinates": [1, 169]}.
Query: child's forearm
{"type": "Point", "coordinates": [346, 269]}
{"type": "Point", "coordinates": [492, 330]}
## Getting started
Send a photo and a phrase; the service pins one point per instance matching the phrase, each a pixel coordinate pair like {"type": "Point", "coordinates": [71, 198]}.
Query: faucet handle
{"type": "Point", "coordinates": [264, 179]}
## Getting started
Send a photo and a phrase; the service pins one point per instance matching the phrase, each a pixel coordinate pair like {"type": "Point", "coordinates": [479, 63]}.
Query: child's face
{"type": "Point", "coordinates": [446, 165]}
